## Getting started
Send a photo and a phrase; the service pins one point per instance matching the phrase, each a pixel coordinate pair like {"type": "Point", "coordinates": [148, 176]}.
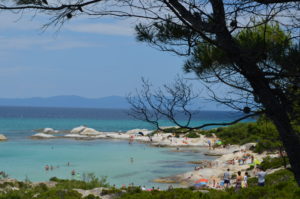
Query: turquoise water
{"type": "Point", "coordinates": [111, 158]}
{"type": "Point", "coordinates": [22, 157]}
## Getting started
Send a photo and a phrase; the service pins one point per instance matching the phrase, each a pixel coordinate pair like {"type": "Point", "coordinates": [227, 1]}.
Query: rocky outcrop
{"type": "Point", "coordinates": [42, 136]}
{"type": "Point", "coordinates": [90, 131]}
{"type": "Point", "coordinates": [2, 137]}
{"type": "Point", "coordinates": [49, 131]}
{"type": "Point", "coordinates": [136, 131]}
{"type": "Point", "coordinates": [78, 129]}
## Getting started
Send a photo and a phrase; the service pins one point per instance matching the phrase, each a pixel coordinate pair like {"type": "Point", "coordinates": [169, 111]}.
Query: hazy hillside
{"type": "Point", "coordinates": [68, 101]}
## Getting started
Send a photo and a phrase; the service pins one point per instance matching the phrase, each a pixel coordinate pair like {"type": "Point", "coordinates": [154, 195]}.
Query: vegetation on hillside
{"type": "Point", "coordinates": [262, 132]}
{"type": "Point", "coordinates": [280, 184]}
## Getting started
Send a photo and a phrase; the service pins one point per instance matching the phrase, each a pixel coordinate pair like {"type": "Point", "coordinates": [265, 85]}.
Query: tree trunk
{"type": "Point", "coordinates": [277, 111]}
{"type": "Point", "coordinates": [290, 140]}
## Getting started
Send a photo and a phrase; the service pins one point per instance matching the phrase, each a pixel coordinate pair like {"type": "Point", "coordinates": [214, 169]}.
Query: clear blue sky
{"type": "Point", "coordinates": [86, 57]}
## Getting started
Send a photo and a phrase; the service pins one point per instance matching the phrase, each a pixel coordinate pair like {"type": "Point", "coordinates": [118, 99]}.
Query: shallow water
{"type": "Point", "coordinates": [111, 158]}
{"type": "Point", "coordinates": [122, 163]}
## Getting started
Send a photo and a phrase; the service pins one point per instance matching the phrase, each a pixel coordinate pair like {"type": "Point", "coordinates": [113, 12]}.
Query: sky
{"type": "Point", "coordinates": [85, 57]}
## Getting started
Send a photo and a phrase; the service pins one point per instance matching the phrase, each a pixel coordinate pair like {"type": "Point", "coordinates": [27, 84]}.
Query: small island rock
{"type": "Point", "coordinates": [2, 137]}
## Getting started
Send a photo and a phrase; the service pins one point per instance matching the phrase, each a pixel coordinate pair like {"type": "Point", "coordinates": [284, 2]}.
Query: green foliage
{"type": "Point", "coordinates": [272, 163]}
{"type": "Point", "coordinates": [163, 32]}
{"type": "Point", "coordinates": [89, 181]}
{"type": "Point", "coordinates": [262, 43]}
{"type": "Point", "coordinates": [263, 132]}
{"type": "Point", "coordinates": [180, 131]}
{"type": "Point", "coordinates": [90, 196]}
{"type": "Point", "coordinates": [192, 134]}
{"type": "Point", "coordinates": [59, 194]}
{"type": "Point", "coordinates": [280, 184]}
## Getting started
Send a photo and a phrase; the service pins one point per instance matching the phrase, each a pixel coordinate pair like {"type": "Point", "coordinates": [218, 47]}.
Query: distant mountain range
{"type": "Point", "coordinates": [72, 101]}
{"type": "Point", "coordinates": [68, 101]}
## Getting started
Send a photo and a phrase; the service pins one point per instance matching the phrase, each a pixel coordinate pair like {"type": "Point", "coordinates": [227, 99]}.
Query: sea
{"type": "Point", "coordinates": [118, 161]}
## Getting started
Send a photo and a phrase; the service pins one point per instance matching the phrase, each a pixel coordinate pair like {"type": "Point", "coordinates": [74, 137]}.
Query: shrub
{"type": "Point", "coordinates": [89, 181]}
{"type": "Point", "coordinates": [90, 196]}
{"type": "Point", "coordinates": [272, 163]}
{"type": "Point", "coordinates": [192, 134]}
{"type": "Point", "coordinates": [263, 132]}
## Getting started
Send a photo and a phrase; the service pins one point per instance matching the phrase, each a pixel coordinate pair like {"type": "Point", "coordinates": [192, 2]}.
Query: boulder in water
{"type": "Point", "coordinates": [90, 131]}
{"type": "Point", "coordinates": [78, 129]}
{"type": "Point", "coordinates": [49, 131]}
{"type": "Point", "coordinates": [2, 137]}
{"type": "Point", "coordinates": [73, 135]}
{"type": "Point", "coordinates": [42, 136]}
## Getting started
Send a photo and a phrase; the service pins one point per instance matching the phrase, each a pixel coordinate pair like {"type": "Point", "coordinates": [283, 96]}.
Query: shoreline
{"type": "Point", "coordinates": [211, 170]}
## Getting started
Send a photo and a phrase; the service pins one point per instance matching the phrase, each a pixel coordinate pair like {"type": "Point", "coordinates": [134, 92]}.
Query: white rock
{"type": "Point", "coordinates": [72, 135]}
{"type": "Point", "coordinates": [90, 131]}
{"type": "Point", "coordinates": [118, 135]}
{"type": "Point", "coordinates": [49, 130]}
{"type": "Point", "coordinates": [42, 135]}
{"type": "Point", "coordinates": [2, 137]}
{"type": "Point", "coordinates": [78, 129]}
{"type": "Point", "coordinates": [136, 131]}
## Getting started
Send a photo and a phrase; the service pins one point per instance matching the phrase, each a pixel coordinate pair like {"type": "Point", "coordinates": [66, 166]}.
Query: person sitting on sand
{"type": "Point", "coordinates": [227, 178]}
{"type": "Point", "coordinates": [239, 180]}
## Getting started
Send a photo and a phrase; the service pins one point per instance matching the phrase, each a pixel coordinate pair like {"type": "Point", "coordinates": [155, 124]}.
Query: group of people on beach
{"type": "Point", "coordinates": [246, 158]}
{"type": "Point", "coordinates": [242, 181]}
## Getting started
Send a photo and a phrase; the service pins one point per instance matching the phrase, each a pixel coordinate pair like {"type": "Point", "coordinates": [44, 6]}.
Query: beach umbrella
{"type": "Point", "coordinates": [203, 180]}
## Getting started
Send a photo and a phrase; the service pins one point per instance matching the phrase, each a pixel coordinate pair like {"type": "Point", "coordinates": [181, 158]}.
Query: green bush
{"type": "Point", "coordinates": [90, 196]}
{"type": "Point", "coordinates": [262, 132]}
{"type": "Point", "coordinates": [192, 134]}
{"type": "Point", "coordinates": [272, 163]}
{"type": "Point", "coordinates": [279, 185]}
{"type": "Point", "coordinates": [89, 181]}
{"type": "Point", "coordinates": [110, 191]}
{"type": "Point", "coordinates": [59, 194]}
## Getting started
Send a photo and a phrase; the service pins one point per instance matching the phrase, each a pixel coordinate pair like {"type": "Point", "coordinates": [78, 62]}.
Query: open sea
{"type": "Point", "coordinates": [24, 158]}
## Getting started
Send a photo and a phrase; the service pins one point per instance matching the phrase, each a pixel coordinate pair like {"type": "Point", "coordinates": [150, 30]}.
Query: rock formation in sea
{"type": "Point", "coordinates": [2, 137]}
